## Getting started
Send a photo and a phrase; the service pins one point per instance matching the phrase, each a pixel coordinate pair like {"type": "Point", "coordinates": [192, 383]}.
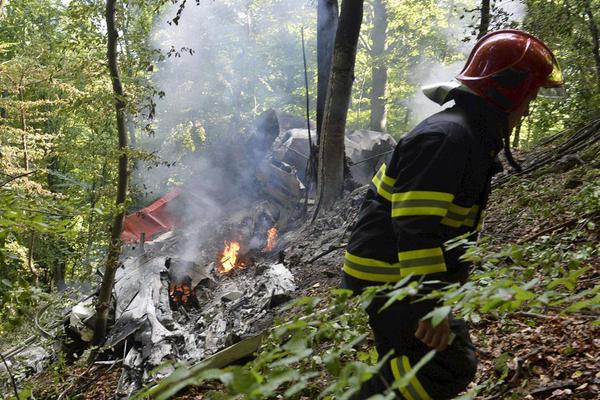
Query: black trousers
{"type": "Point", "coordinates": [446, 375]}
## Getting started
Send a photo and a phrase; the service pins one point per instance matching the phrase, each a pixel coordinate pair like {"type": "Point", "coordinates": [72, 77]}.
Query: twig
{"type": "Point", "coordinates": [12, 378]}
{"type": "Point", "coordinates": [109, 362]}
{"type": "Point", "coordinates": [77, 378]}
{"type": "Point", "coordinates": [12, 178]}
{"type": "Point", "coordinates": [553, 228]}
{"type": "Point", "coordinates": [519, 365]}
{"type": "Point", "coordinates": [36, 321]}
{"type": "Point", "coordinates": [370, 158]}
{"type": "Point", "coordinates": [543, 390]}
{"type": "Point", "coordinates": [331, 249]}
{"type": "Point", "coordinates": [534, 315]}
{"type": "Point", "coordinates": [554, 316]}
{"type": "Point", "coordinates": [583, 138]}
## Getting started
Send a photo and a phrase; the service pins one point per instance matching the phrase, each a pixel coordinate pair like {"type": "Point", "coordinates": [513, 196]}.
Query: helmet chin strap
{"type": "Point", "coordinates": [507, 153]}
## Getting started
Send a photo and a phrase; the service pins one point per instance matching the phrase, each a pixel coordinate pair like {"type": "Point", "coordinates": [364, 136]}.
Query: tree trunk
{"type": "Point", "coordinates": [331, 151]}
{"type": "Point", "coordinates": [23, 127]}
{"type": "Point", "coordinates": [58, 277]}
{"type": "Point", "coordinates": [484, 24]}
{"type": "Point", "coordinates": [595, 36]}
{"type": "Point", "coordinates": [379, 68]}
{"type": "Point", "coordinates": [30, 263]}
{"type": "Point", "coordinates": [327, 22]}
{"type": "Point", "coordinates": [517, 135]}
{"type": "Point", "coordinates": [104, 296]}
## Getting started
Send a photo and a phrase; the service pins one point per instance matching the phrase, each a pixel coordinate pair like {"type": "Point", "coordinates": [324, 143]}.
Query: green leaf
{"type": "Point", "coordinates": [501, 365]}
{"type": "Point", "coordinates": [521, 294]}
{"type": "Point", "coordinates": [438, 314]}
{"type": "Point", "coordinates": [398, 295]}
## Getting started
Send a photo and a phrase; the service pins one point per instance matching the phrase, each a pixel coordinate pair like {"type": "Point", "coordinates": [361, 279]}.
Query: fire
{"type": "Point", "coordinates": [271, 239]}
{"type": "Point", "coordinates": [230, 257]}
{"type": "Point", "coordinates": [180, 294]}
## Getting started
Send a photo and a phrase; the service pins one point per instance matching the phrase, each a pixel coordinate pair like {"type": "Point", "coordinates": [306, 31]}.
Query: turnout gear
{"type": "Point", "coordinates": [506, 66]}
{"type": "Point", "coordinates": [434, 188]}
{"type": "Point", "coordinates": [443, 377]}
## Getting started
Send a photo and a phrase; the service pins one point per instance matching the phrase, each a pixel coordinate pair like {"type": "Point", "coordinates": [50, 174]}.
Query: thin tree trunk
{"type": "Point", "coordinates": [449, 22]}
{"type": "Point", "coordinates": [331, 151]}
{"type": "Point", "coordinates": [30, 264]}
{"type": "Point", "coordinates": [360, 97]}
{"type": "Point", "coordinates": [595, 35]}
{"type": "Point", "coordinates": [108, 279]}
{"type": "Point", "coordinates": [517, 136]}
{"type": "Point", "coordinates": [58, 277]}
{"type": "Point", "coordinates": [484, 24]}
{"type": "Point", "coordinates": [327, 22]}
{"type": "Point", "coordinates": [379, 69]}
{"type": "Point", "coordinates": [23, 128]}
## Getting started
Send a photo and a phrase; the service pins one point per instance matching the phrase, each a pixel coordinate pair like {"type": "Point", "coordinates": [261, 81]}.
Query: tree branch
{"type": "Point", "coordinates": [13, 178]}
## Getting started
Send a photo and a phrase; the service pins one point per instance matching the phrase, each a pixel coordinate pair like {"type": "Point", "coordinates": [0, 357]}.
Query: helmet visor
{"type": "Point", "coordinates": [553, 86]}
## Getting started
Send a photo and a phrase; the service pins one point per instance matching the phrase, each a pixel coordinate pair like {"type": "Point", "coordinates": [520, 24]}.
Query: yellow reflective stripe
{"type": "Point", "coordinates": [458, 216]}
{"type": "Point", "coordinates": [421, 195]}
{"type": "Point", "coordinates": [366, 276]}
{"type": "Point", "coordinates": [397, 375]}
{"type": "Point", "coordinates": [386, 179]}
{"type": "Point", "coordinates": [414, 389]}
{"type": "Point", "coordinates": [382, 188]}
{"type": "Point", "coordinates": [370, 261]}
{"type": "Point", "coordinates": [412, 254]}
{"type": "Point", "coordinates": [451, 222]}
{"type": "Point", "coordinates": [480, 224]}
{"type": "Point", "coordinates": [423, 270]}
{"type": "Point", "coordinates": [415, 381]}
{"type": "Point", "coordinates": [456, 209]}
{"type": "Point", "coordinates": [370, 269]}
{"type": "Point", "coordinates": [405, 212]}
{"type": "Point", "coordinates": [422, 262]}
{"type": "Point", "coordinates": [383, 183]}
{"type": "Point", "coordinates": [420, 203]}
{"type": "Point", "coordinates": [470, 219]}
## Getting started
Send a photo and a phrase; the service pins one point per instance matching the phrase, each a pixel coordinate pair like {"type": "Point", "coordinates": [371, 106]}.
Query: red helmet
{"type": "Point", "coordinates": [506, 66]}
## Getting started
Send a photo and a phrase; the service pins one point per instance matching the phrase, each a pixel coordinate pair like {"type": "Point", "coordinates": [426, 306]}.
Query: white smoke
{"type": "Point", "coordinates": [514, 9]}
{"type": "Point", "coordinates": [223, 64]}
{"type": "Point", "coordinates": [505, 14]}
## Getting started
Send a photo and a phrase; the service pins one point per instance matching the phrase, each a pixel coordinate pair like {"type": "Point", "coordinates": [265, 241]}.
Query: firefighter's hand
{"type": "Point", "coordinates": [435, 337]}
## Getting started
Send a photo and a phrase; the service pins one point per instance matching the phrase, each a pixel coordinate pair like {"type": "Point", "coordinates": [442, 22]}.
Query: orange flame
{"type": "Point", "coordinates": [271, 239]}
{"type": "Point", "coordinates": [230, 256]}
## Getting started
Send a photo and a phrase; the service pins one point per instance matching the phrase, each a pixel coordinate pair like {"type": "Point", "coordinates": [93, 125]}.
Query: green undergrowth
{"type": "Point", "coordinates": [321, 347]}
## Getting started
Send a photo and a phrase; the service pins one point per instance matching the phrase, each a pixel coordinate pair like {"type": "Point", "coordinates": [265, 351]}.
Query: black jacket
{"type": "Point", "coordinates": [433, 189]}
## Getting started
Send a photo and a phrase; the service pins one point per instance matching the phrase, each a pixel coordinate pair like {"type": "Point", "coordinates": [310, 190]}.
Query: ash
{"type": "Point", "coordinates": [228, 308]}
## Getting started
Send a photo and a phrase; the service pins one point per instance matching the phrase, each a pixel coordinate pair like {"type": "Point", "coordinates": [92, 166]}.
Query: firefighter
{"type": "Point", "coordinates": [435, 188]}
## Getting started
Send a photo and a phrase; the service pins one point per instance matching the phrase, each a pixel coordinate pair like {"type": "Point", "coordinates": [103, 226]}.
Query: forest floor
{"type": "Point", "coordinates": [551, 214]}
